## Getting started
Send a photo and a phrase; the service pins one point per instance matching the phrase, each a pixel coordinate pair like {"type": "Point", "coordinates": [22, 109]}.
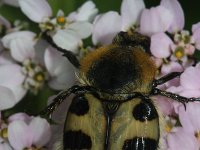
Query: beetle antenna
{"type": "Point", "coordinates": [70, 55]}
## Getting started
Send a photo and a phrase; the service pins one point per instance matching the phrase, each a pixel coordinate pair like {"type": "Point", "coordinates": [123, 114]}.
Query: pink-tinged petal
{"type": "Point", "coordinates": [188, 117]}
{"type": "Point", "coordinates": [189, 79]}
{"type": "Point", "coordinates": [82, 28]}
{"type": "Point", "coordinates": [86, 12]}
{"type": "Point", "coordinates": [171, 67]}
{"type": "Point", "coordinates": [41, 131]}
{"type": "Point", "coordinates": [19, 135]}
{"type": "Point", "coordinates": [5, 146]}
{"type": "Point", "coordinates": [19, 116]}
{"type": "Point", "coordinates": [195, 27]}
{"type": "Point", "coordinates": [175, 8]}
{"type": "Point", "coordinates": [160, 45]}
{"type": "Point", "coordinates": [22, 49]}
{"type": "Point", "coordinates": [165, 105]}
{"type": "Point", "coordinates": [155, 20]}
{"type": "Point", "coordinates": [36, 10]}
{"type": "Point", "coordinates": [180, 140]}
{"type": "Point", "coordinates": [196, 37]}
{"type": "Point", "coordinates": [106, 27]}
{"type": "Point", "coordinates": [131, 12]}
{"type": "Point", "coordinates": [28, 35]}
{"type": "Point", "coordinates": [59, 68]}
{"type": "Point", "coordinates": [67, 39]}
{"type": "Point", "coordinates": [190, 93]}
{"type": "Point", "coordinates": [5, 58]}
{"type": "Point", "coordinates": [7, 98]}
{"type": "Point", "coordinates": [12, 77]}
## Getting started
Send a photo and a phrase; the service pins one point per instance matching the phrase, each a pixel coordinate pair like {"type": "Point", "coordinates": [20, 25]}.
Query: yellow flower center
{"type": "Point", "coordinates": [4, 133]}
{"type": "Point", "coordinates": [39, 77]}
{"type": "Point", "coordinates": [168, 127]}
{"type": "Point", "coordinates": [179, 52]}
{"type": "Point", "coordinates": [60, 20]}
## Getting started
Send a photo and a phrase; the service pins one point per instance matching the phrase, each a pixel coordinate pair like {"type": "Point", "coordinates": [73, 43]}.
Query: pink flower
{"type": "Point", "coordinates": [178, 20]}
{"type": "Point", "coordinates": [102, 33]}
{"type": "Point", "coordinates": [26, 135]}
{"type": "Point", "coordinates": [155, 20]}
{"type": "Point", "coordinates": [160, 45]}
{"type": "Point", "coordinates": [189, 118]}
{"type": "Point", "coordinates": [61, 71]}
{"type": "Point", "coordinates": [196, 35]}
{"type": "Point", "coordinates": [181, 140]}
{"type": "Point", "coordinates": [107, 25]}
{"type": "Point", "coordinates": [190, 82]}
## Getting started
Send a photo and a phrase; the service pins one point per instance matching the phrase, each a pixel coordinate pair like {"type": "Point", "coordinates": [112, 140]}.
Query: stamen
{"type": "Point", "coordinates": [61, 20]}
{"type": "Point", "coordinates": [4, 133]}
{"type": "Point", "coordinates": [179, 52]}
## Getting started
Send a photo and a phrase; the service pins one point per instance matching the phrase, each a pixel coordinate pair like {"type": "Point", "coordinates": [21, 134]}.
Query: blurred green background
{"type": "Point", "coordinates": [33, 104]}
{"type": "Point", "coordinates": [191, 8]}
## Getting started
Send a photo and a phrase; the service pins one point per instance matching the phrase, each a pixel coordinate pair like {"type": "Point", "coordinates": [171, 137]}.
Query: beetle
{"type": "Point", "coordinates": [112, 107]}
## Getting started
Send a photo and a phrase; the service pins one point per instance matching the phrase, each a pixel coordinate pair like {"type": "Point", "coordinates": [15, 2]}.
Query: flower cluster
{"type": "Point", "coordinates": [29, 64]}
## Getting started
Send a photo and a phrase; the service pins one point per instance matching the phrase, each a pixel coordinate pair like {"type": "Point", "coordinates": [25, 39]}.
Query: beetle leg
{"type": "Point", "coordinates": [70, 56]}
{"type": "Point", "coordinates": [166, 78]}
{"type": "Point", "coordinates": [62, 96]}
{"type": "Point", "coordinates": [174, 96]}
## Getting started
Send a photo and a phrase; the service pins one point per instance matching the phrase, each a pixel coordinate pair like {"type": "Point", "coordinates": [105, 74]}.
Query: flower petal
{"type": "Point", "coordinates": [5, 146]}
{"type": "Point", "coordinates": [28, 35]}
{"type": "Point", "coordinates": [181, 140]}
{"type": "Point", "coordinates": [189, 79]}
{"type": "Point", "coordinates": [195, 27]}
{"type": "Point", "coordinates": [130, 12]}
{"type": "Point", "coordinates": [60, 70]}
{"type": "Point", "coordinates": [7, 98]}
{"type": "Point", "coordinates": [67, 39]}
{"type": "Point", "coordinates": [12, 77]}
{"type": "Point", "coordinates": [22, 49]}
{"type": "Point", "coordinates": [155, 20]}
{"type": "Point", "coordinates": [160, 45]}
{"type": "Point", "coordinates": [178, 21]}
{"type": "Point", "coordinates": [106, 27]}
{"type": "Point", "coordinates": [5, 58]}
{"type": "Point", "coordinates": [36, 10]}
{"type": "Point", "coordinates": [82, 28]}
{"type": "Point", "coordinates": [19, 116]}
{"type": "Point", "coordinates": [196, 37]}
{"type": "Point", "coordinates": [19, 135]}
{"type": "Point", "coordinates": [41, 131]}
{"type": "Point", "coordinates": [86, 12]}
{"type": "Point", "coordinates": [188, 117]}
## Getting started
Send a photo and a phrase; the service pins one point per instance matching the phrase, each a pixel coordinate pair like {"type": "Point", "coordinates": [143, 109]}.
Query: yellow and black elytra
{"type": "Point", "coordinates": [112, 109]}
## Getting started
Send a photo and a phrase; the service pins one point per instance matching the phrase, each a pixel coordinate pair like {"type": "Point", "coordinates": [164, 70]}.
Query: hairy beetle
{"type": "Point", "coordinates": [112, 108]}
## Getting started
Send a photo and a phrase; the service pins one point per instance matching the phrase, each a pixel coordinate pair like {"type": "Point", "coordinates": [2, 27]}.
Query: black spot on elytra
{"type": "Point", "coordinates": [140, 143]}
{"type": "Point", "coordinates": [145, 111]}
{"type": "Point", "coordinates": [114, 70]}
{"type": "Point", "coordinates": [79, 105]}
{"type": "Point", "coordinates": [76, 140]}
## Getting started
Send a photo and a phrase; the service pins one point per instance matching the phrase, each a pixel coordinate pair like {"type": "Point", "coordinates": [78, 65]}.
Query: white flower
{"type": "Point", "coordinates": [67, 32]}
{"type": "Point", "coordinates": [37, 10]}
{"type": "Point", "coordinates": [107, 25]}
{"type": "Point", "coordinates": [60, 69]}
{"type": "Point", "coordinates": [35, 133]}
{"type": "Point", "coordinates": [86, 12]}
